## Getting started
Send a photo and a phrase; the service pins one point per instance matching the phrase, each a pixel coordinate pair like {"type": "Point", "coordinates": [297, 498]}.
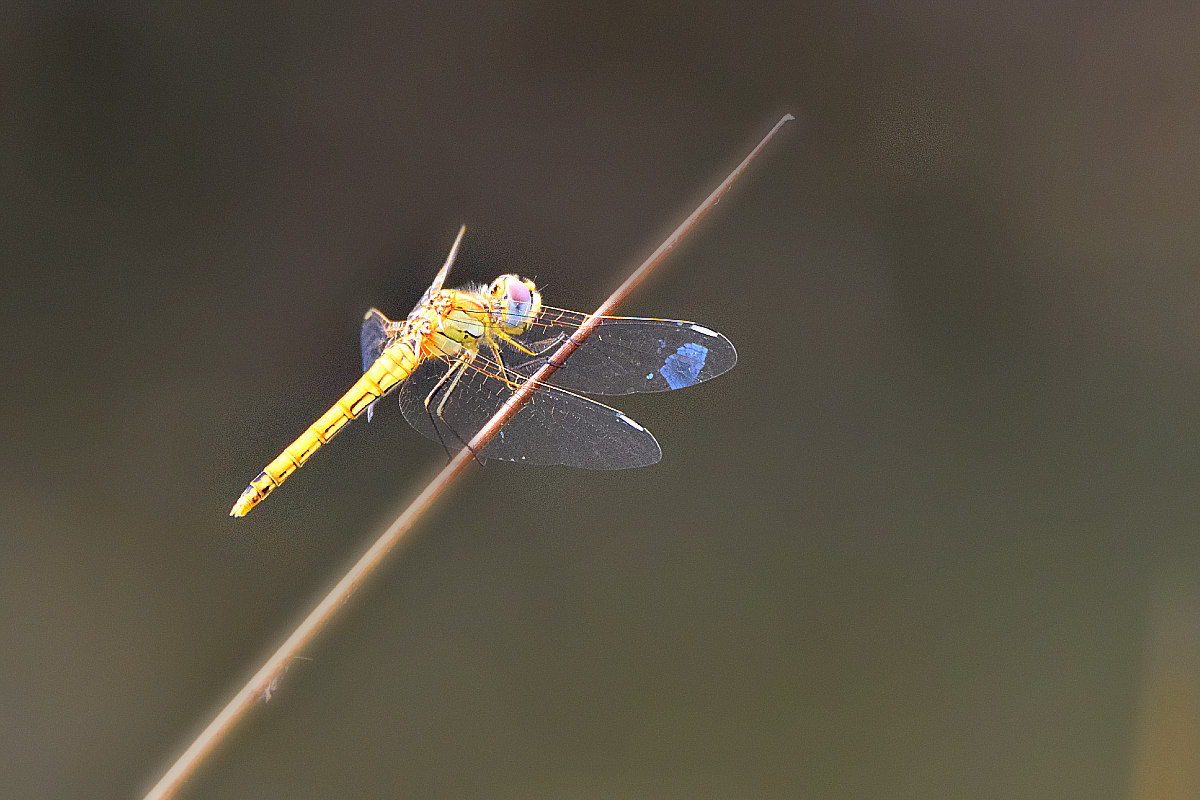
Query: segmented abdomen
{"type": "Point", "coordinates": [393, 365]}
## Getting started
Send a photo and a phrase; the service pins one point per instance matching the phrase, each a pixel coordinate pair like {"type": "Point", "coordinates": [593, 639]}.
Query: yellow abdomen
{"type": "Point", "coordinates": [393, 365]}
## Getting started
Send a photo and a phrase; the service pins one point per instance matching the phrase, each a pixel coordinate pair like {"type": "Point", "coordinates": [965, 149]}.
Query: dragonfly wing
{"type": "Point", "coordinates": [555, 427]}
{"type": "Point", "coordinates": [439, 280]}
{"type": "Point", "coordinates": [625, 355]}
{"type": "Point", "coordinates": [374, 339]}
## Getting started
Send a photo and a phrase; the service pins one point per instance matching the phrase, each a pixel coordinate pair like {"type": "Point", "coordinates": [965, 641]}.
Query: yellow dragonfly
{"type": "Point", "coordinates": [461, 353]}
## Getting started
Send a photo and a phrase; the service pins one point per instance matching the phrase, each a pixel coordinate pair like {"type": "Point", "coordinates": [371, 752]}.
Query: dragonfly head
{"type": "Point", "coordinates": [514, 303]}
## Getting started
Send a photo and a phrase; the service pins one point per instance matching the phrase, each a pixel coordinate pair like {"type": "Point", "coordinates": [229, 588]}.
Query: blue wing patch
{"type": "Point", "coordinates": [682, 367]}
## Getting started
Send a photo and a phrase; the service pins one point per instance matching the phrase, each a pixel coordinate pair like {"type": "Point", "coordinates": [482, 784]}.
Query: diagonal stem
{"type": "Point", "coordinates": [263, 682]}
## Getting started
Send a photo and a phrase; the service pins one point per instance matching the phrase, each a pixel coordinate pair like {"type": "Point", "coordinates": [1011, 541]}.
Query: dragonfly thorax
{"type": "Point", "coordinates": [462, 318]}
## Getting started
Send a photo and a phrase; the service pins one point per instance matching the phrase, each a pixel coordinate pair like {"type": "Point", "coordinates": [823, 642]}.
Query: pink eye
{"type": "Point", "coordinates": [517, 292]}
{"type": "Point", "coordinates": [513, 303]}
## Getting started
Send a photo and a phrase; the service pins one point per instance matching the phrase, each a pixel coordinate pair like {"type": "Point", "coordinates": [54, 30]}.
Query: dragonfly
{"type": "Point", "coordinates": [460, 353]}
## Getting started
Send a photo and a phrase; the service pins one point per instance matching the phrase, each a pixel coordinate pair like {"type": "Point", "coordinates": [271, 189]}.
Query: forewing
{"type": "Point", "coordinates": [439, 280]}
{"type": "Point", "coordinates": [624, 355]}
{"type": "Point", "coordinates": [555, 427]}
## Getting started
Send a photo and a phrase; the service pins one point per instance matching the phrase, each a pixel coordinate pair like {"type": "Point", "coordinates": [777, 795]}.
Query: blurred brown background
{"type": "Point", "coordinates": [935, 537]}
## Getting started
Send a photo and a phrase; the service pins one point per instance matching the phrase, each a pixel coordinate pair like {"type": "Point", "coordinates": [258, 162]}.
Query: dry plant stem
{"type": "Point", "coordinates": [261, 684]}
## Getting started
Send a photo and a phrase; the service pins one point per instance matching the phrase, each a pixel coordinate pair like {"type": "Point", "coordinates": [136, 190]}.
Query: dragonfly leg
{"type": "Point", "coordinates": [554, 344]}
{"type": "Point", "coordinates": [557, 342]}
{"type": "Point", "coordinates": [514, 343]}
{"type": "Point", "coordinates": [457, 365]}
{"type": "Point", "coordinates": [456, 370]}
{"type": "Point", "coordinates": [512, 382]}
{"type": "Point", "coordinates": [511, 377]}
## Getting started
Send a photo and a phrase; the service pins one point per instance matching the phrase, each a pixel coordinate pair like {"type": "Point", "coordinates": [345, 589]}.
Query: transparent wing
{"type": "Point", "coordinates": [374, 337]}
{"type": "Point", "coordinates": [555, 427]}
{"type": "Point", "coordinates": [624, 355]}
{"type": "Point", "coordinates": [439, 280]}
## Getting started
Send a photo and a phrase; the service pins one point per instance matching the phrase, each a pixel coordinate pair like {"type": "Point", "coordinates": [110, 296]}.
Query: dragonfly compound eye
{"type": "Point", "coordinates": [517, 302]}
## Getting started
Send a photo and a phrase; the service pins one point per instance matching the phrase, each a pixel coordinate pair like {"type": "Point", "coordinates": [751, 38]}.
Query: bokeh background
{"type": "Point", "coordinates": [935, 536]}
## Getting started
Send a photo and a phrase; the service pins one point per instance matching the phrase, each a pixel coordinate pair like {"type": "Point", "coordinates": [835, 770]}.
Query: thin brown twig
{"type": "Point", "coordinates": [264, 681]}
